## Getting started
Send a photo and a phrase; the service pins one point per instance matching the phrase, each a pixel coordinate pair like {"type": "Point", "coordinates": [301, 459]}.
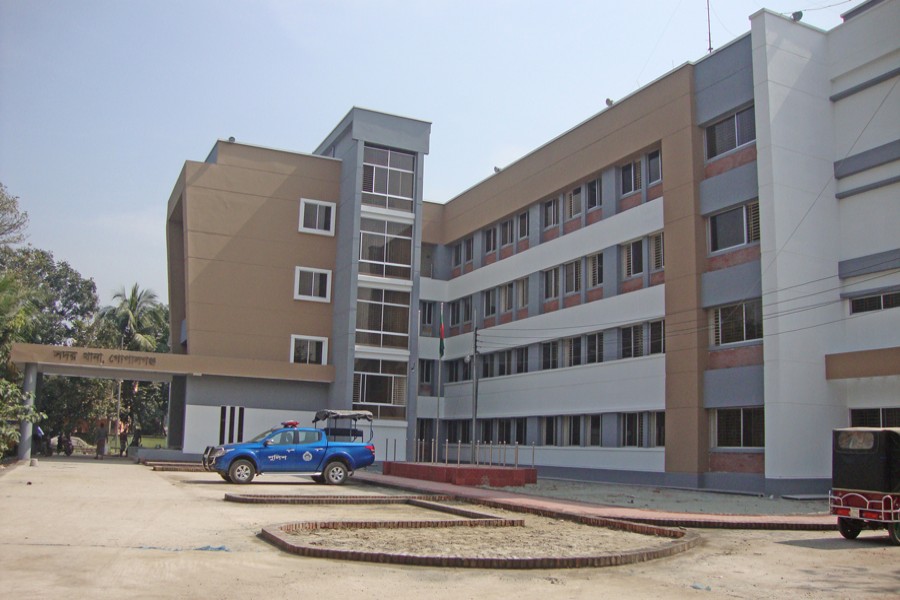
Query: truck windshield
{"type": "Point", "coordinates": [265, 434]}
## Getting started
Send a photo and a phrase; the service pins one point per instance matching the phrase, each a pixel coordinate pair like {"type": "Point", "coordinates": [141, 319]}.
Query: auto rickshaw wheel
{"type": "Point", "coordinates": [849, 528]}
{"type": "Point", "coordinates": [894, 533]}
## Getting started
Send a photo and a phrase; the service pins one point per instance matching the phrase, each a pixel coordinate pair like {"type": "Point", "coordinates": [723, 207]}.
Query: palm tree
{"type": "Point", "coordinates": [136, 316]}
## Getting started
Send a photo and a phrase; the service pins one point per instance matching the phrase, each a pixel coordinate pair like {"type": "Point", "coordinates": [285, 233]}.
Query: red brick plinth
{"type": "Point", "coordinates": [494, 476]}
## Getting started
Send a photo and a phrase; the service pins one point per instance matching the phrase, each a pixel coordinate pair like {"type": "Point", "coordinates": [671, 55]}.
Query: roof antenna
{"type": "Point", "coordinates": [708, 28]}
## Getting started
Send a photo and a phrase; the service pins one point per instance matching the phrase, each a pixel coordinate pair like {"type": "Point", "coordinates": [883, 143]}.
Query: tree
{"type": "Point", "coordinates": [13, 411]}
{"type": "Point", "coordinates": [16, 317]}
{"type": "Point", "coordinates": [137, 317]}
{"type": "Point", "coordinates": [13, 220]}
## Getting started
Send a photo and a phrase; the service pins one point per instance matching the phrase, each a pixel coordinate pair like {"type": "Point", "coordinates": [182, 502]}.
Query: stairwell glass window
{"type": "Point", "coordinates": [309, 350]}
{"type": "Point", "coordinates": [731, 132]}
{"type": "Point", "coordinates": [734, 227]}
{"type": "Point", "coordinates": [379, 382]}
{"type": "Point", "coordinates": [737, 323]}
{"type": "Point", "coordinates": [317, 217]}
{"type": "Point", "coordinates": [382, 318]}
{"type": "Point", "coordinates": [388, 178]}
{"type": "Point", "coordinates": [312, 284]}
{"type": "Point", "coordinates": [631, 177]}
{"type": "Point", "coordinates": [385, 248]}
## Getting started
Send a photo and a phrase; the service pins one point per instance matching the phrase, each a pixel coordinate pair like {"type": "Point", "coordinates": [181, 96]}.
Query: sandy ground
{"type": "Point", "coordinates": [80, 528]}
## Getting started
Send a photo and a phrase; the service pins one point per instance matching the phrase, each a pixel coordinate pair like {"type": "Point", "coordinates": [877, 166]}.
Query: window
{"type": "Point", "coordinates": [730, 133]}
{"type": "Point", "coordinates": [469, 249]}
{"type": "Point", "coordinates": [379, 382]}
{"type": "Point", "coordinates": [458, 431]}
{"type": "Point", "coordinates": [573, 277]}
{"type": "Point", "coordinates": [550, 355]}
{"type": "Point", "coordinates": [573, 203]}
{"type": "Point", "coordinates": [522, 292]}
{"type": "Point", "coordinates": [548, 430]}
{"type": "Point", "coordinates": [487, 365]}
{"type": "Point", "coordinates": [551, 284]}
{"type": "Point", "coordinates": [455, 314]}
{"type": "Point", "coordinates": [658, 429]}
{"type": "Point", "coordinates": [734, 227]}
{"type": "Point", "coordinates": [595, 347]}
{"type": "Point", "coordinates": [657, 337]}
{"type": "Point", "coordinates": [572, 430]}
{"type": "Point", "coordinates": [875, 302]}
{"type": "Point", "coordinates": [388, 178]}
{"type": "Point", "coordinates": [312, 284]}
{"type": "Point", "coordinates": [505, 363]}
{"type": "Point", "coordinates": [521, 430]}
{"type": "Point", "coordinates": [632, 430]}
{"type": "Point", "coordinates": [461, 311]}
{"type": "Point", "coordinates": [631, 177]}
{"type": "Point", "coordinates": [506, 233]}
{"type": "Point", "coordinates": [572, 351]}
{"type": "Point", "coordinates": [426, 371]}
{"type": "Point", "coordinates": [466, 308]}
{"type": "Point", "coordinates": [633, 341]}
{"type": "Point", "coordinates": [490, 302]}
{"type": "Point", "coordinates": [595, 264]}
{"type": "Point", "coordinates": [594, 430]}
{"type": "Point", "coordinates": [426, 312]}
{"type": "Point", "coordinates": [875, 417]}
{"type": "Point", "coordinates": [523, 225]}
{"type": "Point", "coordinates": [490, 240]}
{"type": "Point", "coordinates": [740, 428]}
{"type": "Point", "coordinates": [594, 194]}
{"type": "Point", "coordinates": [382, 318]}
{"type": "Point", "coordinates": [317, 217]}
{"type": "Point", "coordinates": [737, 323]}
{"type": "Point", "coordinates": [551, 213]}
{"type": "Point", "coordinates": [654, 167]}
{"type": "Point", "coordinates": [385, 248]}
{"type": "Point", "coordinates": [657, 252]}
{"type": "Point", "coordinates": [506, 298]}
{"type": "Point", "coordinates": [522, 360]}
{"type": "Point", "coordinates": [309, 350]}
{"type": "Point", "coordinates": [457, 254]}
{"type": "Point", "coordinates": [633, 258]}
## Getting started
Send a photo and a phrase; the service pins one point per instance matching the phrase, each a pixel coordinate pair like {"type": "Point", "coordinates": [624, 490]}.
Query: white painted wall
{"type": "Point", "coordinates": [201, 424]}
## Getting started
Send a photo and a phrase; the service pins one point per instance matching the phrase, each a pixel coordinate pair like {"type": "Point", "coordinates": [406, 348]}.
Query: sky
{"type": "Point", "coordinates": [102, 101]}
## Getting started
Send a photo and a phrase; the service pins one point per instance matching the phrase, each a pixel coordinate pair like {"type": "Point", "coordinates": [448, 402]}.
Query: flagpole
{"type": "Point", "coordinates": [440, 386]}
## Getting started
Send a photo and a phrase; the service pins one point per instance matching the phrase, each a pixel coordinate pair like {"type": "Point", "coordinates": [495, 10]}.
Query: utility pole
{"type": "Point", "coordinates": [474, 381]}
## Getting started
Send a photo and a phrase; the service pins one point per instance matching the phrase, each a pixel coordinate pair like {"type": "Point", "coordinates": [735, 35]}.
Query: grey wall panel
{"type": "Point", "coordinates": [729, 388]}
{"type": "Point", "coordinates": [731, 285]}
{"type": "Point", "coordinates": [873, 263]}
{"type": "Point", "coordinates": [724, 80]}
{"type": "Point", "coordinates": [732, 188]}
{"type": "Point", "coordinates": [609, 430]}
{"type": "Point", "coordinates": [256, 393]}
{"type": "Point", "coordinates": [868, 159]}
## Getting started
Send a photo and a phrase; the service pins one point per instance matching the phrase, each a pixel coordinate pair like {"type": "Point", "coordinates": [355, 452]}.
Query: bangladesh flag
{"type": "Point", "coordinates": [441, 346]}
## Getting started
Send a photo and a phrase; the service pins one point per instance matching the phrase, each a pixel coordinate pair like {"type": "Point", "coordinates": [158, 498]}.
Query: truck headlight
{"type": "Point", "coordinates": [220, 451]}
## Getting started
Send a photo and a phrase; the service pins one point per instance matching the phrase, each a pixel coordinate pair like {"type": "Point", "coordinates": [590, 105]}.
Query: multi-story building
{"type": "Point", "coordinates": [691, 288]}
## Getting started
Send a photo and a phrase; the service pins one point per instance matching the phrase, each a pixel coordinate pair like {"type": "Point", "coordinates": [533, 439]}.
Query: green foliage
{"type": "Point", "coordinates": [13, 411]}
{"type": "Point", "coordinates": [71, 403]}
{"type": "Point", "coordinates": [13, 220]}
{"type": "Point", "coordinates": [138, 318]}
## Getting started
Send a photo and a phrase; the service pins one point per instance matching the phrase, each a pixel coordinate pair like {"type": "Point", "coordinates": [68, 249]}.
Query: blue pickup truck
{"type": "Point", "coordinates": [289, 448]}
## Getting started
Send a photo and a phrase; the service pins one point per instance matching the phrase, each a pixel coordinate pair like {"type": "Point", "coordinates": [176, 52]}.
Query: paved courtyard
{"type": "Point", "coordinates": [76, 527]}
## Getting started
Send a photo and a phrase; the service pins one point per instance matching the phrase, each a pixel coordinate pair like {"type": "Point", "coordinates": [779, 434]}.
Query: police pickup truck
{"type": "Point", "coordinates": [289, 448]}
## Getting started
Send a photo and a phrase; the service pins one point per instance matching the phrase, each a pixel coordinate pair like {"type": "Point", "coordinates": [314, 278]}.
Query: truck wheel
{"type": "Point", "coordinates": [894, 533]}
{"type": "Point", "coordinates": [241, 471]}
{"type": "Point", "coordinates": [848, 528]}
{"type": "Point", "coordinates": [335, 473]}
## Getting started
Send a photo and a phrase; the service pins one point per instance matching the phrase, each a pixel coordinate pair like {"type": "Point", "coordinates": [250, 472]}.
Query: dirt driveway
{"type": "Point", "coordinates": [81, 528]}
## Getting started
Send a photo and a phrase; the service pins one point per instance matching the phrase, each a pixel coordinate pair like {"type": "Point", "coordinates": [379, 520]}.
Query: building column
{"type": "Point", "coordinates": [29, 386]}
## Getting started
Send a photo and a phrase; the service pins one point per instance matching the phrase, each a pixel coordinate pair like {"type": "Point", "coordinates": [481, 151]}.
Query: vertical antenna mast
{"type": "Point", "coordinates": [708, 28]}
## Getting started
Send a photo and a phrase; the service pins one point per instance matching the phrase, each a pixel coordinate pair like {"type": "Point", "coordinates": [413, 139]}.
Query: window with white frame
{"type": "Point", "coordinates": [594, 193]}
{"type": "Point", "coordinates": [631, 177]}
{"type": "Point", "coordinates": [505, 363]}
{"type": "Point", "coordinates": [633, 341]}
{"type": "Point", "coordinates": [466, 309]}
{"type": "Point", "coordinates": [571, 430]}
{"type": "Point", "coordinates": [595, 266]}
{"type": "Point", "coordinates": [522, 292]}
{"type": "Point", "coordinates": [388, 178]}
{"type": "Point", "coordinates": [382, 317]}
{"type": "Point", "coordinates": [633, 258]}
{"type": "Point", "coordinates": [506, 297]}
{"type": "Point", "coordinates": [739, 428]}
{"type": "Point", "coordinates": [551, 283]}
{"type": "Point", "coordinates": [457, 254]}
{"type": "Point", "coordinates": [309, 350]}
{"type": "Point", "coordinates": [426, 313]}
{"type": "Point", "coordinates": [657, 337]}
{"type": "Point", "coordinates": [455, 313]}
{"type": "Point", "coordinates": [490, 302]}
{"type": "Point", "coordinates": [506, 233]}
{"type": "Point", "coordinates": [490, 240]}
{"type": "Point", "coordinates": [572, 351]}
{"type": "Point", "coordinates": [379, 382]}
{"type": "Point", "coordinates": [469, 249]}
{"type": "Point", "coordinates": [317, 216]}
{"type": "Point", "coordinates": [632, 433]}
{"type": "Point", "coordinates": [657, 252]}
{"type": "Point", "coordinates": [595, 347]}
{"type": "Point", "coordinates": [523, 225]}
{"type": "Point", "coordinates": [426, 371]}
{"type": "Point", "coordinates": [572, 283]}
{"type": "Point", "coordinates": [551, 213]}
{"type": "Point", "coordinates": [550, 355]}
{"type": "Point", "coordinates": [573, 203]}
{"type": "Point", "coordinates": [874, 302]}
{"type": "Point", "coordinates": [385, 248]}
{"type": "Point", "coordinates": [731, 132]}
{"type": "Point", "coordinates": [734, 227]}
{"type": "Point", "coordinates": [654, 167]}
{"type": "Point", "coordinates": [737, 323]}
{"type": "Point", "coordinates": [312, 284]}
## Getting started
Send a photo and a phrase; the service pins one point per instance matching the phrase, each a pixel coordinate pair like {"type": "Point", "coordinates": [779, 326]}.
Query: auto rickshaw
{"type": "Point", "coordinates": [865, 480]}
